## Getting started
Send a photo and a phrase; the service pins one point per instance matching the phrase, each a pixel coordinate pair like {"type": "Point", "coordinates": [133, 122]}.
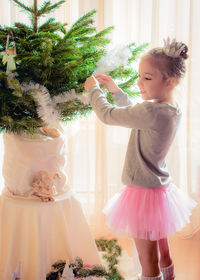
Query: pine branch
{"type": "Point", "coordinates": [51, 26]}
{"type": "Point", "coordinates": [104, 32]}
{"type": "Point", "coordinates": [136, 51]}
{"type": "Point", "coordinates": [85, 20]}
{"type": "Point", "coordinates": [48, 8]}
{"type": "Point", "coordinates": [129, 82]}
{"type": "Point", "coordinates": [23, 6]}
{"type": "Point", "coordinates": [23, 29]}
{"type": "Point", "coordinates": [43, 8]}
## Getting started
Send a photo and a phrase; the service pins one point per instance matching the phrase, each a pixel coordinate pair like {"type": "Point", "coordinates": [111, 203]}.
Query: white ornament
{"type": "Point", "coordinates": [113, 59]}
{"type": "Point", "coordinates": [67, 272]}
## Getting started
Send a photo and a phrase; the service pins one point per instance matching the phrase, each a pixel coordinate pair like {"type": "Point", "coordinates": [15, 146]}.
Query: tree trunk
{"type": "Point", "coordinates": [35, 20]}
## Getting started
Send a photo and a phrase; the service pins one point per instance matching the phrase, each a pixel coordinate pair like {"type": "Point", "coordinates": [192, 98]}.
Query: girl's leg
{"type": "Point", "coordinates": [166, 263]}
{"type": "Point", "coordinates": [165, 257]}
{"type": "Point", "coordinates": [148, 256]}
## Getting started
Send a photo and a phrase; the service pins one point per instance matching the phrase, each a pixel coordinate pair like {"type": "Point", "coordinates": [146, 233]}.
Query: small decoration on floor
{"type": "Point", "coordinates": [16, 275]}
{"type": "Point", "coordinates": [77, 270]}
{"type": "Point", "coordinates": [112, 253]}
{"type": "Point", "coordinates": [67, 272]}
{"type": "Point", "coordinates": [62, 270]}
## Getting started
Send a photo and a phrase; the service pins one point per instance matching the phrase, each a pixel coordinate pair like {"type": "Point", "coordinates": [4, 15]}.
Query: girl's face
{"type": "Point", "coordinates": [150, 82]}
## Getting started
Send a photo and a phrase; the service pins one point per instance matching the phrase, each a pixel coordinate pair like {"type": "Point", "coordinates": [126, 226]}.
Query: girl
{"type": "Point", "coordinates": [150, 207]}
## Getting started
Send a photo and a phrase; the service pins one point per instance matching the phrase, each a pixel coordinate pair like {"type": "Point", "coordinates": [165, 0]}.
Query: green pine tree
{"type": "Point", "coordinates": [58, 58]}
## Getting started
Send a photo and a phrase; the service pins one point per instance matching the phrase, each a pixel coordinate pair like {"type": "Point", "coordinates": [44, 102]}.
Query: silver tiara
{"type": "Point", "coordinates": [172, 48]}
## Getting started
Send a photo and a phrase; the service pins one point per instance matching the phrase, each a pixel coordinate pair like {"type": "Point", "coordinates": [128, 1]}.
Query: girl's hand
{"type": "Point", "coordinates": [90, 83]}
{"type": "Point", "coordinates": [108, 83]}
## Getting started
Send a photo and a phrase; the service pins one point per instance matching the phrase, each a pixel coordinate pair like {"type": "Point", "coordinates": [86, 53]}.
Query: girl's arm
{"type": "Point", "coordinates": [140, 116]}
{"type": "Point", "coordinates": [120, 98]}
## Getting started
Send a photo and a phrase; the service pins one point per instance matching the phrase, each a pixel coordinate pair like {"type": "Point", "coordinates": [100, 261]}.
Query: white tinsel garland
{"type": "Point", "coordinates": [46, 109]}
{"type": "Point", "coordinates": [71, 95]}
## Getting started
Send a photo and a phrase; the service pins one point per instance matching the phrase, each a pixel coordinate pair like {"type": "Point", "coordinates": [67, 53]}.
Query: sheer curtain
{"type": "Point", "coordinates": [95, 151]}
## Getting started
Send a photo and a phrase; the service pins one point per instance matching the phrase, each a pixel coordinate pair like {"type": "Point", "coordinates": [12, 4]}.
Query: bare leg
{"type": "Point", "coordinates": [148, 256]}
{"type": "Point", "coordinates": [165, 257]}
{"type": "Point", "coordinates": [166, 263]}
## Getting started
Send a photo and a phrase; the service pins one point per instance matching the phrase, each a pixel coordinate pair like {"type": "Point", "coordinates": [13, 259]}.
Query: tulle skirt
{"type": "Point", "coordinates": [148, 213]}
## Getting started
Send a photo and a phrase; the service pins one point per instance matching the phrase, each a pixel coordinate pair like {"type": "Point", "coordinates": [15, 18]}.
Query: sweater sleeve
{"type": "Point", "coordinates": [122, 99]}
{"type": "Point", "coordinates": [138, 116]}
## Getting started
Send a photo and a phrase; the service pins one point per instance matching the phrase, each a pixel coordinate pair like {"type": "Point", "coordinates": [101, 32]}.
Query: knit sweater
{"type": "Point", "coordinates": [153, 125]}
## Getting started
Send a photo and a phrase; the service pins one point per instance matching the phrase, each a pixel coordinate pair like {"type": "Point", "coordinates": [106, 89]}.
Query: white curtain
{"type": "Point", "coordinates": [95, 151]}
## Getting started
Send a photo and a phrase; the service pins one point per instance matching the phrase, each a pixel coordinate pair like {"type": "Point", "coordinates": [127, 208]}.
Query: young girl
{"type": "Point", "coordinates": [150, 207]}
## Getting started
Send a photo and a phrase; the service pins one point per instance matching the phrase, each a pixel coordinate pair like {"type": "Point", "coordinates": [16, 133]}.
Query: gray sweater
{"type": "Point", "coordinates": [153, 125]}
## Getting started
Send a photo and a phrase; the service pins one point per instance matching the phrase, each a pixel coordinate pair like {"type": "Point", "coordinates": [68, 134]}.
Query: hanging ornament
{"type": "Point", "coordinates": [9, 56]}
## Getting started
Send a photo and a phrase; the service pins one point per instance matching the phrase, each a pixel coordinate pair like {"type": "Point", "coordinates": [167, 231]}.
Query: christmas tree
{"type": "Point", "coordinates": [44, 66]}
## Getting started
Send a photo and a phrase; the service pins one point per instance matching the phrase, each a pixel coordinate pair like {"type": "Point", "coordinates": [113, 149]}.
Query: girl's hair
{"type": "Point", "coordinates": [170, 60]}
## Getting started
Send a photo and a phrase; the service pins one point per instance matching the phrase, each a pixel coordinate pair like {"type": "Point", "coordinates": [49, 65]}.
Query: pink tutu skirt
{"type": "Point", "coordinates": [148, 213]}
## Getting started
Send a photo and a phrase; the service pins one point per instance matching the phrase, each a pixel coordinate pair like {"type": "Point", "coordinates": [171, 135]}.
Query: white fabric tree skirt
{"type": "Point", "coordinates": [37, 234]}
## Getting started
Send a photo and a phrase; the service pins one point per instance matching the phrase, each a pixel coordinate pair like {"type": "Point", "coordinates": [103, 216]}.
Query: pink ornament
{"type": "Point", "coordinates": [87, 266]}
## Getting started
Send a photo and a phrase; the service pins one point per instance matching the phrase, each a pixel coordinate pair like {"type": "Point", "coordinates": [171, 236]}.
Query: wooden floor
{"type": "Point", "coordinates": [186, 256]}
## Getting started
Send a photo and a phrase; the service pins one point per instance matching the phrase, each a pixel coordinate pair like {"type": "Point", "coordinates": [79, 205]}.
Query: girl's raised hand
{"type": "Point", "coordinates": [108, 82]}
{"type": "Point", "coordinates": [90, 83]}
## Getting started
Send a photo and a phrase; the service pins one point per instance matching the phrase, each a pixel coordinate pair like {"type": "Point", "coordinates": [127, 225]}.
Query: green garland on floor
{"type": "Point", "coordinates": [79, 270]}
{"type": "Point", "coordinates": [112, 252]}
